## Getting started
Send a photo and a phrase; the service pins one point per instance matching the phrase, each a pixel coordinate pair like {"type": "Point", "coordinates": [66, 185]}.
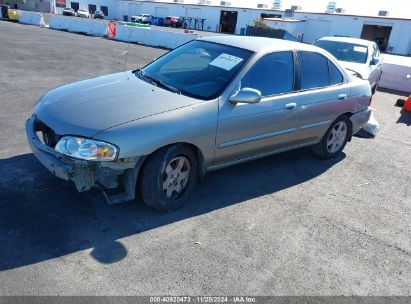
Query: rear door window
{"type": "Point", "coordinates": [313, 70]}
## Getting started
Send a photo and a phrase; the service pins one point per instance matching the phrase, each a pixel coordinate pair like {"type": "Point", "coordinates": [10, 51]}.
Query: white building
{"type": "Point", "coordinates": [393, 34]}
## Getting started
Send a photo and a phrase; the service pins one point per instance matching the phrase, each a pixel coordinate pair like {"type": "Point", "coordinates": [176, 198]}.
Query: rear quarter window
{"type": "Point", "coordinates": [335, 75]}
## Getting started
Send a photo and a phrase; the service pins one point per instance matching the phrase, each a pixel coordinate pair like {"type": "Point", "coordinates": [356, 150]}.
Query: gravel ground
{"type": "Point", "coordinates": [289, 224]}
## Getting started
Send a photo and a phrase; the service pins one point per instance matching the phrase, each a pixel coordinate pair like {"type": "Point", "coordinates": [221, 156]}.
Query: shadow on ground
{"type": "Point", "coordinates": [43, 217]}
{"type": "Point", "coordinates": [393, 92]}
{"type": "Point", "coordinates": [405, 118]}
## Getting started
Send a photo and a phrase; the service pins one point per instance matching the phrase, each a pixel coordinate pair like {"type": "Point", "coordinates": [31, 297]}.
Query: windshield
{"type": "Point", "coordinates": [199, 69]}
{"type": "Point", "coordinates": [345, 51]}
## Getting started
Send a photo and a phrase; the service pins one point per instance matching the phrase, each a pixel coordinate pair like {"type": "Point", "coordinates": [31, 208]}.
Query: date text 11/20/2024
{"type": "Point", "coordinates": [201, 299]}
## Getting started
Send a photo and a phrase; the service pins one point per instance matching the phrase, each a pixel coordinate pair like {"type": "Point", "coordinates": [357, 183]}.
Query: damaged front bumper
{"type": "Point", "coordinates": [117, 179]}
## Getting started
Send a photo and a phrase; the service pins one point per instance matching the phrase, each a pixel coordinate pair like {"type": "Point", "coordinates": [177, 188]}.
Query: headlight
{"type": "Point", "coordinates": [87, 149]}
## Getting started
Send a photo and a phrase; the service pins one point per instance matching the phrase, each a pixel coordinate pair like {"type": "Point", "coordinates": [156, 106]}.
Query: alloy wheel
{"type": "Point", "coordinates": [176, 176]}
{"type": "Point", "coordinates": [337, 137]}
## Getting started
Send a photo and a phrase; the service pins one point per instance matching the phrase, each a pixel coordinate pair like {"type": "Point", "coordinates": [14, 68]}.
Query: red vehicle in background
{"type": "Point", "coordinates": [173, 21]}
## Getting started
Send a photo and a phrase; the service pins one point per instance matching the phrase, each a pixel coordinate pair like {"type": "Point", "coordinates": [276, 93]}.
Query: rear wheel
{"type": "Point", "coordinates": [169, 178]}
{"type": "Point", "coordinates": [335, 138]}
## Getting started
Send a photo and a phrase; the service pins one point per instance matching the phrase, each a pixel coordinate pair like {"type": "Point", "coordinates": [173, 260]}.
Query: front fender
{"type": "Point", "coordinates": [194, 125]}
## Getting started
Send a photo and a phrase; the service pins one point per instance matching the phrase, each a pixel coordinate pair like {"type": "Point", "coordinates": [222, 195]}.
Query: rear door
{"type": "Point", "coordinates": [323, 94]}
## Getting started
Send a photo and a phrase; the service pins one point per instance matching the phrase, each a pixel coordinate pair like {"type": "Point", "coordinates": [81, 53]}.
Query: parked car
{"type": "Point", "coordinates": [83, 14]}
{"type": "Point", "coordinates": [211, 103]}
{"type": "Point", "coordinates": [172, 21]}
{"type": "Point", "coordinates": [360, 56]}
{"type": "Point", "coordinates": [68, 11]}
{"type": "Point", "coordinates": [98, 15]}
{"type": "Point", "coordinates": [146, 19]}
{"type": "Point", "coordinates": [135, 19]}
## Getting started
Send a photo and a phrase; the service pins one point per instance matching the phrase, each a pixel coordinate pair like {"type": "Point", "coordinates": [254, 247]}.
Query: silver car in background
{"type": "Point", "coordinates": [83, 13]}
{"type": "Point", "coordinates": [209, 104]}
{"type": "Point", "coordinates": [361, 56]}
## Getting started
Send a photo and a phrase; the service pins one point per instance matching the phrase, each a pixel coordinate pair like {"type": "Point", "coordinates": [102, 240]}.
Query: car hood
{"type": "Point", "coordinates": [360, 68]}
{"type": "Point", "coordinates": [89, 107]}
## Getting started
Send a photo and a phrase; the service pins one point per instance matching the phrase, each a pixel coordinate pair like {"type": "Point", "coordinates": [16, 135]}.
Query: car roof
{"type": "Point", "coordinates": [349, 40]}
{"type": "Point", "coordinates": [260, 44]}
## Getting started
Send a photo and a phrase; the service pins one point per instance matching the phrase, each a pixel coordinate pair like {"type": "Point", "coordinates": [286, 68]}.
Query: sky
{"type": "Point", "coordinates": [396, 8]}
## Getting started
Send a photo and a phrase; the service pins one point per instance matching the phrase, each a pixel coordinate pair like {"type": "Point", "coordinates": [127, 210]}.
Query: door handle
{"type": "Point", "coordinates": [342, 96]}
{"type": "Point", "coordinates": [290, 106]}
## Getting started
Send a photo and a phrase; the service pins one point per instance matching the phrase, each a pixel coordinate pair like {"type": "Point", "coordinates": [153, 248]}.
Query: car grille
{"type": "Point", "coordinates": [48, 136]}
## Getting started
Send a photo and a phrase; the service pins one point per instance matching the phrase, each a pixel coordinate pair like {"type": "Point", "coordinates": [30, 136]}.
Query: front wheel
{"type": "Point", "coordinates": [335, 138]}
{"type": "Point", "coordinates": [169, 178]}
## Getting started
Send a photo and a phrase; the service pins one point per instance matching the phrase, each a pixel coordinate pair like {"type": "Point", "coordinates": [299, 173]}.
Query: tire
{"type": "Point", "coordinates": [169, 177]}
{"type": "Point", "coordinates": [335, 138]}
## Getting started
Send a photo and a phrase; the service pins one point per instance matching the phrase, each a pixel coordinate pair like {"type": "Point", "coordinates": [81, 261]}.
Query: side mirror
{"type": "Point", "coordinates": [375, 61]}
{"type": "Point", "coordinates": [246, 95]}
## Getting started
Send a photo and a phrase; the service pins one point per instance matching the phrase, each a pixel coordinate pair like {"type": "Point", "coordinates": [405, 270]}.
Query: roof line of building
{"type": "Point", "coordinates": [352, 15]}
{"type": "Point", "coordinates": [271, 10]}
{"type": "Point", "coordinates": [209, 5]}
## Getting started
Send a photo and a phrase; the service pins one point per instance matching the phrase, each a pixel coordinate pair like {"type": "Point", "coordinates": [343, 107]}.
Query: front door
{"type": "Point", "coordinates": [245, 130]}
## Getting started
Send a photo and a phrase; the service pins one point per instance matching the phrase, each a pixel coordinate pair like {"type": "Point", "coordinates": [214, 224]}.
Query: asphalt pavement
{"type": "Point", "coordinates": [290, 224]}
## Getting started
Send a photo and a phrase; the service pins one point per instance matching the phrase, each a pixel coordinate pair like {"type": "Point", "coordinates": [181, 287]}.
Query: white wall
{"type": "Point", "coordinates": [295, 28]}
{"type": "Point", "coordinates": [401, 38]}
{"type": "Point", "coordinates": [315, 28]}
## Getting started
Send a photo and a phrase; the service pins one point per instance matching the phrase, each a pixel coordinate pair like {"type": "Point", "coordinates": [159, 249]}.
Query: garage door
{"type": "Point", "coordinates": [316, 29]}
{"type": "Point", "coordinates": [193, 12]}
{"type": "Point", "coordinates": [162, 12]}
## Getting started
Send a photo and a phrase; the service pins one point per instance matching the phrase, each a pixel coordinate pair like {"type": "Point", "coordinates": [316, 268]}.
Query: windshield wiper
{"type": "Point", "coordinates": [158, 82]}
